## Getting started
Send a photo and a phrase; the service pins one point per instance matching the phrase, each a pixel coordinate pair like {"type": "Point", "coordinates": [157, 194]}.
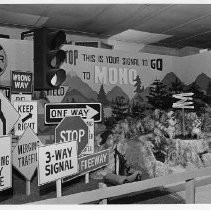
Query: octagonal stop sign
{"type": "Point", "coordinates": [72, 128]}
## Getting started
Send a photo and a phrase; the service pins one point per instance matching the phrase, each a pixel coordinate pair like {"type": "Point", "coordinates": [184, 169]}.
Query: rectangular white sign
{"type": "Point", "coordinates": [5, 163]}
{"type": "Point", "coordinates": [89, 149]}
{"type": "Point", "coordinates": [28, 113]}
{"type": "Point", "coordinates": [57, 161]}
{"type": "Point", "coordinates": [20, 97]}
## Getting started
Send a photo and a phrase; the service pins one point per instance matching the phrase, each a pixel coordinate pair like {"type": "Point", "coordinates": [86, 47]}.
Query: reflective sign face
{"type": "Point", "coordinates": [73, 129]}
{"type": "Point", "coordinates": [5, 163]}
{"type": "Point", "coordinates": [25, 153]}
{"type": "Point", "coordinates": [57, 161]}
{"type": "Point", "coordinates": [8, 115]}
{"type": "Point", "coordinates": [28, 116]}
{"type": "Point", "coordinates": [3, 60]}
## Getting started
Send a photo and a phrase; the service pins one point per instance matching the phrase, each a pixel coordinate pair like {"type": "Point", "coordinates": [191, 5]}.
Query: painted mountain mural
{"type": "Point", "coordinates": [83, 88]}
{"type": "Point", "coordinates": [74, 96]}
{"type": "Point", "coordinates": [116, 92]}
{"type": "Point", "coordinates": [204, 82]}
{"type": "Point", "coordinates": [171, 78]}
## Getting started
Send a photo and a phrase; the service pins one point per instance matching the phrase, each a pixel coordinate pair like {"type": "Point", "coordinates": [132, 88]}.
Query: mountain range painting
{"type": "Point", "coordinates": [81, 92]}
{"type": "Point", "coordinates": [116, 102]}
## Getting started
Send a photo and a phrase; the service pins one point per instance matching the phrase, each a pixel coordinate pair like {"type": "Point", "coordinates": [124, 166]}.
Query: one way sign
{"type": "Point", "coordinates": [55, 112]}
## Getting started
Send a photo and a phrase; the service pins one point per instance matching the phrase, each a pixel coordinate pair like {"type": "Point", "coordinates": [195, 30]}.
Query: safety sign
{"type": "Point", "coordinates": [90, 163]}
{"type": "Point", "coordinates": [8, 115]}
{"type": "Point", "coordinates": [25, 153]}
{"type": "Point", "coordinates": [28, 116]}
{"type": "Point", "coordinates": [72, 129]}
{"type": "Point", "coordinates": [57, 161]}
{"type": "Point", "coordinates": [6, 91]}
{"type": "Point", "coordinates": [89, 149]}
{"type": "Point", "coordinates": [56, 95]}
{"type": "Point", "coordinates": [5, 163]}
{"type": "Point", "coordinates": [20, 97]}
{"type": "Point", "coordinates": [55, 112]}
{"type": "Point", "coordinates": [21, 82]}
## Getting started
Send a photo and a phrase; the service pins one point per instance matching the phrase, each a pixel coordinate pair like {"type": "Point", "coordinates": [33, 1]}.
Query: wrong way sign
{"type": "Point", "coordinates": [55, 112]}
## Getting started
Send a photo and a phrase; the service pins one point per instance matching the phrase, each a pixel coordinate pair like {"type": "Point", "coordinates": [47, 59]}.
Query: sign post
{"type": "Point", "coordinates": [55, 112]}
{"type": "Point", "coordinates": [25, 156]}
{"type": "Point", "coordinates": [5, 163]}
{"type": "Point", "coordinates": [183, 104]}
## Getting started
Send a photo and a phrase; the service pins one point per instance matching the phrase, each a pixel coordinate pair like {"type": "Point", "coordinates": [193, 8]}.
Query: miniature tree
{"type": "Point", "coordinates": [43, 95]}
{"type": "Point", "coordinates": [119, 108]}
{"type": "Point", "coordinates": [198, 98]}
{"type": "Point", "coordinates": [138, 90]}
{"type": "Point", "coordinates": [209, 89]}
{"type": "Point", "coordinates": [176, 87]}
{"type": "Point", "coordinates": [102, 96]}
{"type": "Point", "coordinates": [158, 96]}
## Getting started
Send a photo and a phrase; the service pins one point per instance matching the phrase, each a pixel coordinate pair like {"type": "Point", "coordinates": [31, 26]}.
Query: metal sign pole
{"type": "Point", "coordinates": [183, 121]}
{"type": "Point", "coordinates": [59, 188]}
{"type": "Point", "coordinates": [28, 187]}
{"type": "Point", "coordinates": [86, 178]}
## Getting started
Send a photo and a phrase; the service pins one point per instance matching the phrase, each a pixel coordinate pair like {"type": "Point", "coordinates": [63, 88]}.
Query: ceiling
{"type": "Point", "coordinates": [180, 24]}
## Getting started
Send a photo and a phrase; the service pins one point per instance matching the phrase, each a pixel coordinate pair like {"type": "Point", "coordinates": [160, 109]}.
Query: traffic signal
{"type": "Point", "coordinates": [48, 58]}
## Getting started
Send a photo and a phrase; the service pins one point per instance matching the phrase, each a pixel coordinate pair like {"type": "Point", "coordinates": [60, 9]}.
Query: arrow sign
{"type": "Point", "coordinates": [54, 113]}
{"type": "Point", "coordinates": [183, 103]}
{"type": "Point", "coordinates": [27, 117]}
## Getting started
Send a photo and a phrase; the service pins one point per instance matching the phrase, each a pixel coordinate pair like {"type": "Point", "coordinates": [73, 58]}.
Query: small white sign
{"type": "Point", "coordinates": [185, 100]}
{"type": "Point", "coordinates": [25, 154]}
{"type": "Point", "coordinates": [56, 95]}
{"type": "Point", "coordinates": [57, 161]}
{"type": "Point", "coordinates": [20, 97]}
{"type": "Point", "coordinates": [5, 163]}
{"type": "Point", "coordinates": [28, 113]}
{"type": "Point", "coordinates": [89, 149]}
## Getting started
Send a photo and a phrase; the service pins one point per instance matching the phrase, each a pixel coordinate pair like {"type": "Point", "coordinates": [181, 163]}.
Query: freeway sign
{"type": "Point", "coordinates": [90, 163]}
{"type": "Point", "coordinates": [55, 112]}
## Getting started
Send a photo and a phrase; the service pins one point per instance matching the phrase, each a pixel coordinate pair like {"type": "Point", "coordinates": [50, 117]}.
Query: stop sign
{"type": "Point", "coordinates": [72, 128]}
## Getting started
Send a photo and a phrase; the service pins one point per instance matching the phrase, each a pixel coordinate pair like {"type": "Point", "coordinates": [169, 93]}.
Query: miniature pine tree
{"type": "Point", "coordinates": [120, 108]}
{"type": "Point", "coordinates": [102, 96]}
{"type": "Point", "coordinates": [158, 96]}
{"type": "Point", "coordinates": [209, 89]}
{"type": "Point", "coordinates": [138, 90]}
{"type": "Point", "coordinates": [176, 87]}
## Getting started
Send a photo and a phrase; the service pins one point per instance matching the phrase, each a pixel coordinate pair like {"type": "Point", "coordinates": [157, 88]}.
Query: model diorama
{"type": "Point", "coordinates": [147, 136]}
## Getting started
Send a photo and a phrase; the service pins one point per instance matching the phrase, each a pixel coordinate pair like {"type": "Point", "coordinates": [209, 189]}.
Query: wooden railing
{"type": "Point", "coordinates": [103, 193]}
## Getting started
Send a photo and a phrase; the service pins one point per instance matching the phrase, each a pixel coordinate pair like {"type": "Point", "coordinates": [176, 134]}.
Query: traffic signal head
{"type": "Point", "coordinates": [48, 57]}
